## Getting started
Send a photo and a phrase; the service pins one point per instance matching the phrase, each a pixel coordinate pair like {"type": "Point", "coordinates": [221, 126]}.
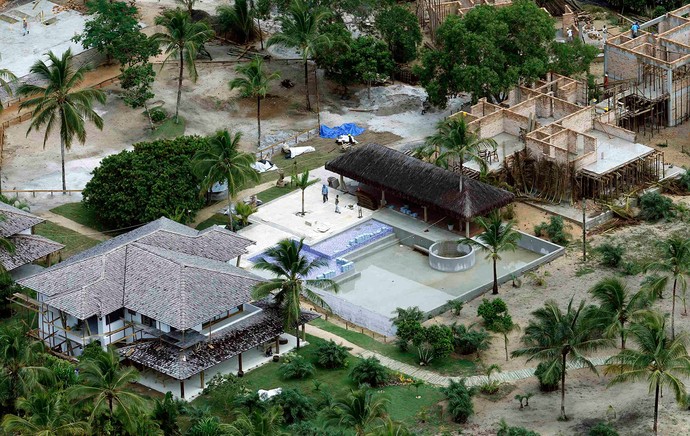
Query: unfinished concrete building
{"type": "Point", "coordinates": [552, 144]}
{"type": "Point", "coordinates": [649, 75]}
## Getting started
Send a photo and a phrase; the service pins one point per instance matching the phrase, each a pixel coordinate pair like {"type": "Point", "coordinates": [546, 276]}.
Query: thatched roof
{"type": "Point", "coordinates": [419, 182]}
{"type": "Point", "coordinates": [182, 364]}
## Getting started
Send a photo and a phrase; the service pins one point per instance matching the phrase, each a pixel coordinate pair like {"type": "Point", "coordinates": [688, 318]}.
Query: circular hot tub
{"type": "Point", "coordinates": [451, 256]}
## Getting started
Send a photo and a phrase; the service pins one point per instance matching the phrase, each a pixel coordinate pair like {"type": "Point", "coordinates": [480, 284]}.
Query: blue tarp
{"type": "Point", "coordinates": [351, 128]}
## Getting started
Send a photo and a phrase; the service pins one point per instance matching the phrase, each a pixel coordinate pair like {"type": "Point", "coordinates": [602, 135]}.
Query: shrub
{"type": "Point", "coordinates": [331, 355]}
{"type": "Point", "coordinates": [250, 402]}
{"type": "Point", "coordinates": [296, 367]}
{"type": "Point", "coordinates": [602, 429]}
{"type": "Point", "coordinates": [408, 323]}
{"type": "Point", "coordinates": [455, 306]}
{"type": "Point", "coordinates": [506, 430]}
{"type": "Point", "coordinates": [548, 382]}
{"type": "Point", "coordinates": [433, 342]}
{"type": "Point", "coordinates": [63, 371]}
{"type": "Point", "coordinates": [92, 350]}
{"type": "Point", "coordinates": [369, 371]}
{"type": "Point", "coordinates": [658, 11]}
{"type": "Point", "coordinates": [296, 406]}
{"type": "Point", "coordinates": [469, 341]}
{"type": "Point", "coordinates": [313, 428]}
{"type": "Point", "coordinates": [158, 114]}
{"type": "Point", "coordinates": [654, 206]}
{"type": "Point", "coordinates": [153, 180]}
{"type": "Point", "coordinates": [684, 181]}
{"type": "Point", "coordinates": [554, 229]}
{"type": "Point", "coordinates": [459, 398]}
{"type": "Point", "coordinates": [223, 388]}
{"type": "Point", "coordinates": [610, 255]}
{"type": "Point", "coordinates": [631, 268]}
{"type": "Point", "coordinates": [492, 311]}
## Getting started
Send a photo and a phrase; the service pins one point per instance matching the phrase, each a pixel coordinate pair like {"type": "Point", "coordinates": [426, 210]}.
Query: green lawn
{"type": "Point", "coordinates": [79, 214]}
{"type": "Point", "coordinates": [74, 242]}
{"type": "Point", "coordinates": [274, 192]}
{"type": "Point", "coordinates": [217, 219]}
{"type": "Point", "coordinates": [451, 366]}
{"type": "Point", "coordinates": [403, 404]}
{"type": "Point", "coordinates": [325, 151]}
{"type": "Point", "coordinates": [168, 129]}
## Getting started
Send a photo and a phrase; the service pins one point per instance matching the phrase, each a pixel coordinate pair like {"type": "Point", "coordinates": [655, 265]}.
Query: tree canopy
{"type": "Point", "coordinates": [153, 180]}
{"type": "Point", "coordinates": [400, 29]}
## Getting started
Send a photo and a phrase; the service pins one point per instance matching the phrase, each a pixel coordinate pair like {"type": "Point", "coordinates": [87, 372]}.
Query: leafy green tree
{"type": "Point", "coordinates": [223, 162]}
{"type": "Point", "coordinates": [459, 397]}
{"type": "Point", "coordinates": [165, 413]}
{"type": "Point", "coordinates": [301, 30]}
{"type": "Point", "coordinates": [408, 323]}
{"type": "Point", "coordinates": [493, 312]}
{"type": "Point", "coordinates": [302, 182]}
{"type": "Point", "coordinates": [487, 52]}
{"type": "Point", "coordinates": [254, 83]}
{"type": "Point", "coordinates": [45, 414]}
{"type": "Point", "coordinates": [433, 342]}
{"type": "Point", "coordinates": [369, 59]}
{"type": "Point", "coordinates": [369, 371]}
{"type": "Point", "coordinates": [20, 362]}
{"type": "Point", "coordinates": [183, 40]}
{"type": "Point", "coordinates": [137, 82]}
{"type": "Point", "coordinates": [110, 29]}
{"type": "Point", "coordinates": [6, 77]}
{"type": "Point", "coordinates": [291, 267]}
{"type": "Point", "coordinates": [658, 359]}
{"type": "Point", "coordinates": [332, 57]}
{"type": "Point", "coordinates": [359, 410]}
{"type": "Point", "coordinates": [454, 142]}
{"type": "Point", "coordinates": [268, 423]}
{"type": "Point", "coordinates": [674, 260]}
{"type": "Point", "coordinates": [262, 11]}
{"type": "Point", "coordinates": [105, 388]}
{"type": "Point", "coordinates": [237, 20]}
{"type": "Point", "coordinates": [400, 29]}
{"type": "Point", "coordinates": [496, 237]}
{"type": "Point", "coordinates": [55, 102]}
{"type": "Point", "coordinates": [559, 337]}
{"type": "Point", "coordinates": [164, 182]}
{"type": "Point", "coordinates": [505, 326]}
{"type": "Point", "coordinates": [572, 59]}
{"type": "Point", "coordinates": [617, 307]}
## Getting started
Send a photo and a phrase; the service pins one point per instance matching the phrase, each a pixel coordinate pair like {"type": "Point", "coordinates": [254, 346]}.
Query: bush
{"type": "Point", "coordinates": [492, 312]}
{"type": "Point", "coordinates": [631, 268]}
{"type": "Point", "coordinates": [506, 430]}
{"type": "Point", "coordinates": [249, 401]}
{"type": "Point", "coordinates": [63, 371]}
{"type": "Point", "coordinates": [92, 350]}
{"type": "Point", "coordinates": [554, 229]}
{"type": "Point", "coordinates": [295, 367]}
{"type": "Point", "coordinates": [602, 429]}
{"type": "Point", "coordinates": [433, 342]}
{"type": "Point", "coordinates": [548, 382]}
{"type": "Point", "coordinates": [408, 323]}
{"type": "Point", "coordinates": [459, 400]}
{"type": "Point", "coordinates": [369, 371]}
{"type": "Point", "coordinates": [654, 206]}
{"type": "Point", "coordinates": [158, 114]}
{"type": "Point", "coordinates": [610, 255]}
{"type": "Point", "coordinates": [153, 180]}
{"type": "Point", "coordinates": [222, 389]}
{"type": "Point", "coordinates": [331, 355]}
{"type": "Point", "coordinates": [684, 181]}
{"type": "Point", "coordinates": [296, 406]}
{"type": "Point", "coordinates": [468, 341]}
{"type": "Point", "coordinates": [455, 306]}
{"type": "Point", "coordinates": [658, 11]}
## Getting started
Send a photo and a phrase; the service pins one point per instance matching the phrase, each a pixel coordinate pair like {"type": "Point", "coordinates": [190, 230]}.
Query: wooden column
{"type": "Point", "coordinates": [201, 378]}
{"type": "Point", "coordinates": [383, 199]}
{"type": "Point", "coordinates": [238, 260]}
{"type": "Point", "coordinates": [278, 344]}
{"type": "Point", "coordinates": [425, 214]}
{"type": "Point", "coordinates": [467, 229]}
{"type": "Point", "coordinates": [342, 184]}
{"type": "Point", "coordinates": [240, 373]}
{"type": "Point", "coordinates": [182, 389]}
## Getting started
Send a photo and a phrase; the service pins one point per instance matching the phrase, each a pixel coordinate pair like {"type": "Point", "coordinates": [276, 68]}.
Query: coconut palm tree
{"type": "Point", "coordinates": [266, 423]}
{"type": "Point", "coordinates": [675, 261]}
{"type": "Point", "coordinates": [301, 30]}
{"type": "Point", "coordinates": [208, 426]}
{"type": "Point", "coordinates": [558, 337]}
{"type": "Point", "coordinates": [291, 270]}
{"type": "Point", "coordinates": [617, 307]}
{"type": "Point", "coordinates": [388, 427]}
{"type": "Point", "coordinates": [302, 182]}
{"type": "Point", "coordinates": [359, 410]}
{"type": "Point", "coordinates": [45, 414]}
{"type": "Point", "coordinates": [104, 386]}
{"type": "Point", "coordinates": [254, 83]}
{"type": "Point", "coordinates": [6, 77]}
{"type": "Point", "coordinates": [56, 102]}
{"type": "Point", "coordinates": [496, 237]}
{"type": "Point", "coordinates": [454, 141]}
{"type": "Point", "coordinates": [656, 358]}
{"type": "Point", "coordinates": [19, 361]}
{"type": "Point", "coordinates": [237, 20]}
{"type": "Point", "coordinates": [243, 211]}
{"type": "Point", "coordinates": [183, 40]}
{"type": "Point", "coordinates": [224, 163]}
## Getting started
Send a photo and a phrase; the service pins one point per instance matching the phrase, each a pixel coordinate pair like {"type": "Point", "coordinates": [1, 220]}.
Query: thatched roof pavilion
{"type": "Point", "coordinates": [419, 182]}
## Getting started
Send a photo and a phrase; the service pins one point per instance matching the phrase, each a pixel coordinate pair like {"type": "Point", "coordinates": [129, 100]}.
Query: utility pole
{"type": "Point", "coordinates": [584, 230]}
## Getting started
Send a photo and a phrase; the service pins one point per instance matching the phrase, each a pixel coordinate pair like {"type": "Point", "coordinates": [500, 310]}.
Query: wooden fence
{"type": "Point", "coordinates": [267, 152]}
{"type": "Point", "coordinates": [34, 191]}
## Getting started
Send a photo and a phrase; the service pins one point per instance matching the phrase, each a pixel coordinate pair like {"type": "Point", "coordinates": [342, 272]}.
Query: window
{"type": "Point", "coordinates": [115, 316]}
{"type": "Point", "coordinates": [149, 322]}
{"type": "Point", "coordinates": [131, 312]}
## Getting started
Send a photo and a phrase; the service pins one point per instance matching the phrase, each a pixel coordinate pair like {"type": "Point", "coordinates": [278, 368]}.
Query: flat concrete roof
{"type": "Point", "coordinates": [613, 152]}
{"type": "Point", "coordinates": [54, 34]}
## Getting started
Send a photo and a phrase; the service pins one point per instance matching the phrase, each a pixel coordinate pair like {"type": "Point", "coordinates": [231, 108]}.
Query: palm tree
{"type": "Point", "coordinates": [505, 325]}
{"type": "Point", "coordinates": [617, 307]}
{"type": "Point", "coordinates": [496, 237]}
{"type": "Point", "coordinates": [302, 182]}
{"type": "Point", "coordinates": [19, 359]}
{"type": "Point", "coordinates": [182, 41]}
{"type": "Point", "coordinates": [44, 414]}
{"type": "Point", "coordinates": [674, 260]}
{"type": "Point", "coordinates": [455, 141]}
{"type": "Point", "coordinates": [224, 163]}
{"type": "Point", "coordinates": [104, 385]}
{"type": "Point", "coordinates": [558, 337]}
{"type": "Point", "coordinates": [254, 84]}
{"type": "Point", "coordinates": [657, 359]}
{"type": "Point", "coordinates": [258, 424]}
{"type": "Point", "coordinates": [208, 426]}
{"type": "Point", "coordinates": [291, 269]}
{"type": "Point", "coordinates": [237, 19]}
{"type": "Point", "coordinates": [6, 77]}
{"type": "Point", "coordinates": [359, 410]}
{"type": "Point", "coordinates": [301, 30]}
{"type": "Point", "coordinates": [388, 427]}
{"type": "Point", "coordinates": [243, 211]}
{"type": "Point", "coordinates": [57, 102]}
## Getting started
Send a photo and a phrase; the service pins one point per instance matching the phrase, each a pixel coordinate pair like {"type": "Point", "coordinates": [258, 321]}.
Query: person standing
{"type": "Point", "coordinates": [25, 27]}
{"type": "Point", "coordinates": [635, 28]}
{"type": "Point", "coordinates": [570, 34]}
{"type": "Point", "coordinates": [337, 202]}
{"type": "Point", "coordinates": [324, 192]}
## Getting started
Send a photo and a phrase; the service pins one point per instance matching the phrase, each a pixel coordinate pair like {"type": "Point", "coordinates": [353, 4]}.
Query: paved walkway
{"type": "Point", "coordinates": [72, 225]}
{"type": "Point", "coordinates": [430, 376]}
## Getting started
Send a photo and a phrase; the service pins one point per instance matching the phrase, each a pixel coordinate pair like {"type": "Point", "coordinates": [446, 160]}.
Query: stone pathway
{"type": "Point", "coordinates": [72, 225]}
{"type": "Point", "coordinates": [430, 376]}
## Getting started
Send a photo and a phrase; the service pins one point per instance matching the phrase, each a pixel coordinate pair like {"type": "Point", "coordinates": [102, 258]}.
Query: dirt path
{"type": "Point", "coordinates": [68, 223]}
